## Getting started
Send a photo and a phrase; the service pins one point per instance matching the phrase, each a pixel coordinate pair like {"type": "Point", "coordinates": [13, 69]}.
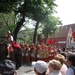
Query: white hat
{"type": "Point", "coordinates": [40, 66]}
{"type": "Point", "coordinates": [9, 32]}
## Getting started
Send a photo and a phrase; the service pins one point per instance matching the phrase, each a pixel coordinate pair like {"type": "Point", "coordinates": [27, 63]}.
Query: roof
{"type": "Point", "coordinates": [63, 31]}
{"type": "Point", "coordinates": [71, 25]}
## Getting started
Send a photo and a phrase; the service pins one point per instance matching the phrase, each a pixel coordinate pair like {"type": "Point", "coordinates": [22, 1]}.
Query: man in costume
{"type": "Point", "coordinates": [9, 40]}
{"type": "Point", "coordinates": [14, 50]}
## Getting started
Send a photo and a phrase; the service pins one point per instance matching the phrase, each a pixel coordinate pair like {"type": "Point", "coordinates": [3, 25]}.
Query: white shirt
{"type": "Point", "coordinates": [11, 38]}
{"type": "Point", "coordinates": [55, 72]}
{"type": "Point", "coordinates": [63, 69]}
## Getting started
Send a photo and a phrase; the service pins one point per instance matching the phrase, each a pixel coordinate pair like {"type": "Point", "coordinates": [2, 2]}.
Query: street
{"type": "Point", "coordinates": [25, 70]}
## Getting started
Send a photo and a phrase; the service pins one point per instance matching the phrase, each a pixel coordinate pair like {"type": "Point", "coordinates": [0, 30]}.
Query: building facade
{"type": "Point", "coordinates": [64, 36]}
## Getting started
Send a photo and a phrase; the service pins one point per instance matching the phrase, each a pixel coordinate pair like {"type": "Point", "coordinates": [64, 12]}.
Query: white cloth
{"type": "Point", "coordinates": [11, 38]}
{"type": "Point", "coordinates": [22, 54]}
{"type": "Point", "coordinates": [70, 71]}
{"type": "Point", "coordinates": [26, 54]}
{"type": "Point", "coordinates": [63, 69]}
{"type": "Point", "coordinates": [55, 72]}
{"type": "Point", "coordinates": [38, 56]}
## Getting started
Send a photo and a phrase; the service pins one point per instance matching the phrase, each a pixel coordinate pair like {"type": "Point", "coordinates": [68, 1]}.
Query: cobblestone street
{"type": "Point", "coordinates": [25, 70]}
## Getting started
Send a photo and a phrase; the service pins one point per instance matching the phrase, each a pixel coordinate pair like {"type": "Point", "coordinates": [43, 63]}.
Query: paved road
{"type": "Point", "coordinates": [25, 70]}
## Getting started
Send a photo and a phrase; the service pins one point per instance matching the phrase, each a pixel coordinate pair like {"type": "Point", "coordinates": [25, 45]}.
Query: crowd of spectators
{"type": "Point", "coordinates": [60, 65]}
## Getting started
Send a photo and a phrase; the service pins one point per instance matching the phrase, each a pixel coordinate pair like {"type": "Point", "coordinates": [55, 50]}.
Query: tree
{"type": "Point", "coordinates": [35, 9]}
{"type": "Point", "coordinates": [50, 26]}
{"type": "Point", "coordinates": [40, 12]}
{"type": "Point", "coordinates": [7, 22]}
{"type": "Point", "coordinates": [28, 34]}
{"type": "Point", "coordinates": [6, 6]}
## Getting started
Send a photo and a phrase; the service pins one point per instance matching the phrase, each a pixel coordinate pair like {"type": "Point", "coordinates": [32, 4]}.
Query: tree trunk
{"type": "Point", "coordinates": [19, 24]}
{"type": "Point", "coordinates": [46, 38]}
{"type": "Point", "coordinates": [35, 32]}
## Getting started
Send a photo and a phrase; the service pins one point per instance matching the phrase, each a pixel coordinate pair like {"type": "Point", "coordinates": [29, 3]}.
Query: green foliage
{"type": "Point", "coordinates": [21, 39]}
{"type": "Point", "coordinates": [50, 26]}
{"type": "Point", "coordinates": [8, 22]}
{"type": "Point", "coordinates": [29, 34]}
{"type": "Point", "coordinates": [7, 6]}
{"type": "Point", "coordinates": [39, 10]}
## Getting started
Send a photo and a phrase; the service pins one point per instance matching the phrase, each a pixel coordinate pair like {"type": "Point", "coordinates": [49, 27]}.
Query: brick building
{"type": "Point", "coordinates": [64, 36]}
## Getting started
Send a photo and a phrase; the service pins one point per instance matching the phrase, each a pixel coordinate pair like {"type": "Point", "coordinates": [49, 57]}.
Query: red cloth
{"type": "Point", "coordinates": [15, 45]}
{"type": "Point", "coordinates": [73, 35]}
{"type": "Point", "coordinates": [51, 41]}
{"type": "Point", "coordinates": [43, 40]}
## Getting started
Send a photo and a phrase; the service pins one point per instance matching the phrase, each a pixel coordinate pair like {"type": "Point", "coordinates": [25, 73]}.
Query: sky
{"type": "Point", "coordinates": [66, 11]}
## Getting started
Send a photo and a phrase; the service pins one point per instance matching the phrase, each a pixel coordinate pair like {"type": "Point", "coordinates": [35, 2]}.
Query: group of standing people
{"type": "Point", "coordinates": [58, 66]}
{"type": "Point", "coordinates": [31, 52]}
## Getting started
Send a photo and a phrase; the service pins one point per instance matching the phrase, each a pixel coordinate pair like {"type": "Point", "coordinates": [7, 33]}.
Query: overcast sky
{"type": "Point", "coordinates": [66, 11]}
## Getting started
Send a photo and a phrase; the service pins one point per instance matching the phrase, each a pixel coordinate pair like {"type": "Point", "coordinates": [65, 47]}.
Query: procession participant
{"type": "Point", "coordinates": [49, 49]}
{"type": "Point", "coordinates": [55, 50]}
{"type": "Point", "coordinates": [11, 40]}
{"type": "Point", "coordinates": [32, 47]}
{"type": "Point", "coordinates": [51, 54]}
{"type": "Point", "coordinates": [10, 48]}
{"type": "Point", "coordinates": [23, 49]}
{"type": "Point", "coordinates": [27, 54]}
{"type": "Point", "coordinates": [41, 51]}
{"type": "Point", "coordinates": [14, 50]}
{"type": "Point", "coordinates": [9, 37]}
{"type": "Point", "coordinates": [46, 53]}
{"type": "Point", "coordinates": [59, 49]}
{"type": "Point", "coordinates": [38, 51]}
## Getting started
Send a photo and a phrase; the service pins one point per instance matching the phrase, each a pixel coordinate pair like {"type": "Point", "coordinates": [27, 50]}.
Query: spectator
{"type": "Point", "coordinates": [54, 67]}
{"type": "Point", "coordinates": [63, 49]}
{"type": "Point", "coordinates": [40, 67]}
{"type": "Point", "coordinates": [64, 54]}
{"type": "Point", "coordinates": [7, 67]}
{"type": "Point", "coordinates": [61, 58]}
{"type": "Point", "coordinates": [71, 63]}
